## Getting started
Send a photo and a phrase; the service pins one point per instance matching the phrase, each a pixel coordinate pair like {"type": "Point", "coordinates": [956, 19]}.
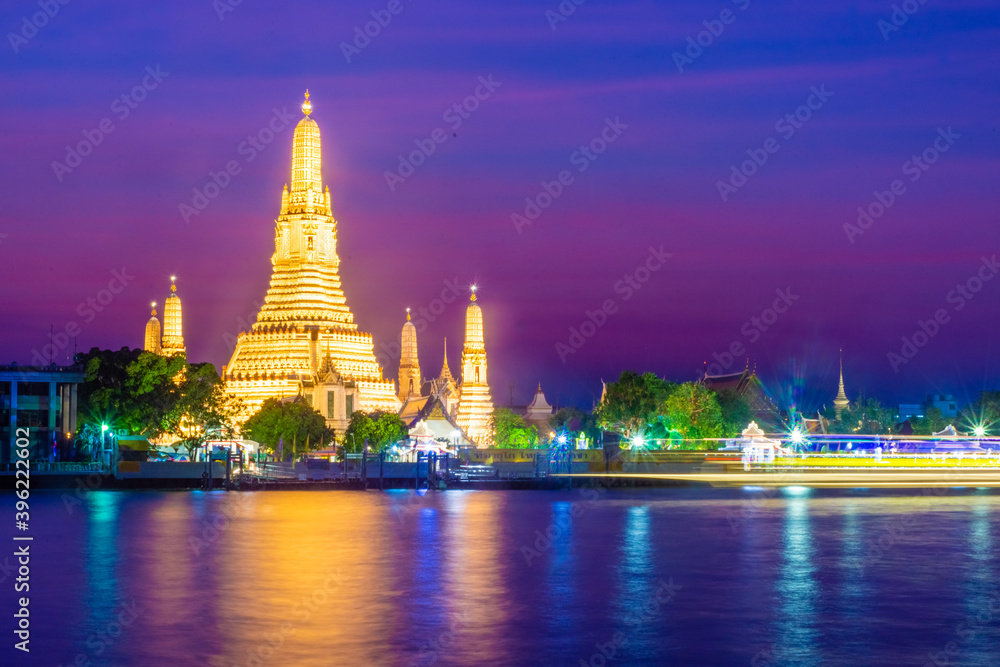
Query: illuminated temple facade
{"type": "Point", "coordinates": [475, 407]}
{"type": "Point", "coordinates": [457, 412]}
{"type": "Point", "coordinates": [171, 342]}
{"type": "Point", "coordinates": [305, 340]}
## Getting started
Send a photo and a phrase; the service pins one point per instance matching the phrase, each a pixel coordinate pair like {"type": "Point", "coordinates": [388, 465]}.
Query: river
{"type": "Point", "coordinates": [647, 577]}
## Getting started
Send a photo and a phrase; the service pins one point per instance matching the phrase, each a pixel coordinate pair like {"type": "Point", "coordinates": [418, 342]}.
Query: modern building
{"type": "Point", "coordinates": [39, 404]}
{"type": "Point", "coordinates": [305, 340]}
{"type": "Point", "coordinates": [946, 403]}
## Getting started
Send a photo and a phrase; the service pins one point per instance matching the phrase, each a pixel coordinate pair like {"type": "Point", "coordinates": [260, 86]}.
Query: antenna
{"type": "Point", "coordinates": [52, 345]}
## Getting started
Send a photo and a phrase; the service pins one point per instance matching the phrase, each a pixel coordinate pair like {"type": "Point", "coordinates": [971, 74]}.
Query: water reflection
{"type": "Point", "coordinates": [475, 591]}
{"type": "Point", "coordinates": [239, 579]}
{"type": "Point", "coordinates": [796, 587]}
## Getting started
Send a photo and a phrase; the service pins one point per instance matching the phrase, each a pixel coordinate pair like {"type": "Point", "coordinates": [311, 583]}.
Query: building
{"type": "Point", "coordinates": [305, 340]}
{"type": "Point", "coordinates": [946, 403]}
{"type": "Point", "coordinates": [841, 402]}
{"type": "Point", "coordinates": [475, 405]}
{"type": "Point", "coordinates": [171, 342]}
{"type": "Point", "coordinates": [173, 331]}
{"type": "Point", "coordinates": [152, 342]}
{"type": "Point", "coordinates": [409, 362]}
{"type": "Point", "coordinates": [458, 412]}
{"type": "Point", "coordinates": [39, 404]}
{"type": "Point", "coordinates": [537, 413]}
{"type": "Point", "coordinates": [748, 386]}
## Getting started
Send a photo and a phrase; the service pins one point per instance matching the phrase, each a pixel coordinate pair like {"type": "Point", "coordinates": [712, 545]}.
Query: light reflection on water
{"type": "Point", "coordinates": [319, 578]}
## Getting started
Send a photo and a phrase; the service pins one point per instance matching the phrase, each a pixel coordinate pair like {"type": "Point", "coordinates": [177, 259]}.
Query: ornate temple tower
{"type": "Point", "coordinates": [841, 402]}
{"type": "Point", "coordinates": [409, 364]}
{"type": "Point", "coordinates": [305, 339]}
{"type": "Point", "coordinates": [153, 333]}
{"type": "Point", "coordinates": [173, 334]}
{"type": "Point", "coordinates": [474, 404]}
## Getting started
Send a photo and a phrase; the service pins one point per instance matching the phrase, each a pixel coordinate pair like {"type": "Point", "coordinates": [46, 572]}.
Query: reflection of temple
{"type": "Point", "coordinates": [172, 341]}
{"type": "Point", "coordinates": [305, 340]}
{"type": "Point", "coordinates": [457, 413]}
{"type": "Point", "coordinates": [747, 385]}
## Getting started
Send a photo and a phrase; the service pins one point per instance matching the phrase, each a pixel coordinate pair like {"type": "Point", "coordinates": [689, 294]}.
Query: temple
{"type": "Point", "coordinates": [841, 402]}
{"type": "Point", "coordinates": [475, 406]}
{"type": "Point", "coordinates": [748, 386]}
{"type": "Point", "coordinates": [173, 332]}
{"type": "Point", "coordinates": [152, 343]}
{"type": "Point", "coordinates": [305, 341]}
{"type": "Point", "coordinates": [168, 340]}
{"type": "Point", "coordinates": [409, 362]}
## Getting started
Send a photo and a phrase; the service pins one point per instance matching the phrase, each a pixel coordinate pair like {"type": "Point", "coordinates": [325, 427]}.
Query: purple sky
{"type": "Point", "coordinates": [656, 184]}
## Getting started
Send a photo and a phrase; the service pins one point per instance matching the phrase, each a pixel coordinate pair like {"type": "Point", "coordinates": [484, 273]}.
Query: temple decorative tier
{"type": "Point", "coordinates": [305, 339]}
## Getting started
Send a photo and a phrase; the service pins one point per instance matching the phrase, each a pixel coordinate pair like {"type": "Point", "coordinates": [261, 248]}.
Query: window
{"type": "Point", "coordinates": [331, 404]}
{"type": "Point", "coordinates": [350, 405]}
{"type": "Point", "coordinates": [477, 374]}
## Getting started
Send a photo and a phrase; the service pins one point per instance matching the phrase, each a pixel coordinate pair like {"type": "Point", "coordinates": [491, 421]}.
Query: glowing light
{"type": "Point", "coordinates": [797, 490]}
{"type": "Point", "coordinates": [638, 441]}
{"type": "Point", "coordinates": [561, 439]}
{"type": "Point", "coordinates": [979, 430]}
{"type": "Point", "coordinates": [797, 436]}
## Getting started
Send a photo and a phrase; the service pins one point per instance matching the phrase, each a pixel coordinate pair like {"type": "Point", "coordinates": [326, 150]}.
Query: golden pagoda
{"type": "Point", "coordinates": [304, 340]}
{"type": "Point", "coordinates": [409, 363]}
{"type": "Point", "coordinates": [173, 332]}
{"type": "Point", "coordinates": [475, 406]}
{"type": "Point", "coordinates": [153, 333]}
{"type": "Point", "coordinates": [841, 402]}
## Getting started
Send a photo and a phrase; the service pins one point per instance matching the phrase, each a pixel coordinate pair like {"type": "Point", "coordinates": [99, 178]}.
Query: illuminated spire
{"type": "Point", "coordinates": [305, 310]}
{"type": "Point", "coordinates": [152, 342]}
{"type": "Point", "coordinates": [173, 331]}
{"type": "Point", "coordinates": [841, 402]}
{"type": "Point", "coordinates": [475, 405]}
{"type": "Point", "coordinates": [409, 364]}
{"type": "Point", "coordinates": [307, 162]}
{"type": "Point", "coordinates": [445, 371]}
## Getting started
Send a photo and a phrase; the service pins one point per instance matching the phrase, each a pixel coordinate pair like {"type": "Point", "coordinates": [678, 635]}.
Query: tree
{"type": "Point", "coordinates": [867, 416]}
{"type": "Point", "coordinates": [693, 411]}
{"type": "Point", "coordinates": [294, 423]}
{"type": "Point", "coordinates": [736, 413]}
{"type": "Point", "coordinates": [510, 430]}
{"type": "Point", "coordinates": [203, 409]}
{"type": "Point", "coordinates": [381, 429]}
{"type": "Point", "coordinates": [984, 412]}
{"type": "Point", "coordinates": [575, 422]}
{"type": "Point", "coordinates": [632, 403]}
{"type": "Point", "coordinates": [932, 422]}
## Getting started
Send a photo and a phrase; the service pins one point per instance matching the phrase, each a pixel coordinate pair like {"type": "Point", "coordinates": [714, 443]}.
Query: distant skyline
{"type": "Point", "coordinates": [622, 131]}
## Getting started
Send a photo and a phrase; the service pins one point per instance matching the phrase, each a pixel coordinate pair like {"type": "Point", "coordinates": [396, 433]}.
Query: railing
{"type": "Point", "coordinates": [61, 467]}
